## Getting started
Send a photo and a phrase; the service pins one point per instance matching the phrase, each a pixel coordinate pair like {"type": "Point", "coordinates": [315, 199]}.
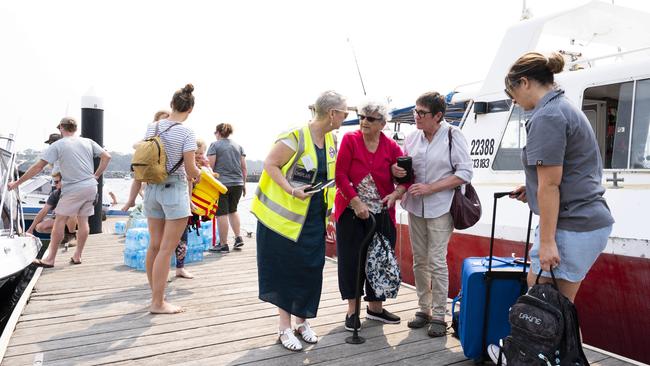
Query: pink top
{"type": "Point", "coordinates": [354, 162]}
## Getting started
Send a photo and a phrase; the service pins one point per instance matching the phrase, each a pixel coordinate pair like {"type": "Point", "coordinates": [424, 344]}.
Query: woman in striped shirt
{"type": "Point", "coordinates": [167, 205]}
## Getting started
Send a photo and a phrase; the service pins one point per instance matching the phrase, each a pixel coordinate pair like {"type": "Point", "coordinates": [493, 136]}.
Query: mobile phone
{"type": "Point", "coordinates": [319, 186]}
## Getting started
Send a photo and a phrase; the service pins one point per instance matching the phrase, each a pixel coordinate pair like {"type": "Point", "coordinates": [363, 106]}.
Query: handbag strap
{"type": "Point", "coordinates": [453, 169]}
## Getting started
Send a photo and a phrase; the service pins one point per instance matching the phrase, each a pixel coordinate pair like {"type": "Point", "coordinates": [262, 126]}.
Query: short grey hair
{"type": "Point", "coordinates": [374, 106]}
{"type": "Point", "coordinates": [327, 101]}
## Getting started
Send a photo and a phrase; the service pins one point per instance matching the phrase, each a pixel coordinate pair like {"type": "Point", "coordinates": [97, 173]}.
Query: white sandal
{"type": "Point", "coordinates": [291, 342]}
{"type": "Point", "coordinates": [307, 334]}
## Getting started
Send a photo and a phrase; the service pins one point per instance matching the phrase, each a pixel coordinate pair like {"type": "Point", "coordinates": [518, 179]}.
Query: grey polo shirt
{"type": "Point", "coordinates": [558, 133]}
{"type": "Point", "coordinates": [431, 164]}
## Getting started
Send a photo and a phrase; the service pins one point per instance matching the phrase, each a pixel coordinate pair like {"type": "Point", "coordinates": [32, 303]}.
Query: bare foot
{"type": "Point", "coordinates": [181, 272]}
{"type": "Point", "coordinates": [166, 308]}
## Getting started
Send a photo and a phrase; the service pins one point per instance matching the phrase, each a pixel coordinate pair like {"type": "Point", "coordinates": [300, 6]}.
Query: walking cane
{"type": "Point", "coordinates": [355, 339]}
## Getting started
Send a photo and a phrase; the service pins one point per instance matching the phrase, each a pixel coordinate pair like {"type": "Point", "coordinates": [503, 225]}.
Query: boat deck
{"type": "Point", "coordinates": [96, 313]}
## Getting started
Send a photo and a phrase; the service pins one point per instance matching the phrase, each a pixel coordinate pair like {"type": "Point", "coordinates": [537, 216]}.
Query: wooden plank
{"type": "Point", "coordinates": [96, 313]}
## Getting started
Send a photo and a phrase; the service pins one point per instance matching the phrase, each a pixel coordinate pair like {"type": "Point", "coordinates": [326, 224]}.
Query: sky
{"type": "Point", "coordinates": [254, 64]}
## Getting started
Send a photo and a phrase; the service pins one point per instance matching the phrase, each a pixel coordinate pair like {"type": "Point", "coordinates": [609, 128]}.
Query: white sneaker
{"type": "Point", "coordinates": [493, 351]}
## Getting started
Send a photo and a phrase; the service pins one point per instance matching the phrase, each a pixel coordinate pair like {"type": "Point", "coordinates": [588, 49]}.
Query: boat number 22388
{"type": "Point", "coordinates": [481, 147]}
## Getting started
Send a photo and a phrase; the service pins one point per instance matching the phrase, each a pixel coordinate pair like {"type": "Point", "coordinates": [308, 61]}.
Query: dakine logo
{"type": "Point", "coordinates": [530, 318]}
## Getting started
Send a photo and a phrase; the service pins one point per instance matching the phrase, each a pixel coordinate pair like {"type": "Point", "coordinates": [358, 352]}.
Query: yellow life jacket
{"type": "Point", "coordinates": [205, 194]}
{"type": "Point", "coordinates": [277, 209]}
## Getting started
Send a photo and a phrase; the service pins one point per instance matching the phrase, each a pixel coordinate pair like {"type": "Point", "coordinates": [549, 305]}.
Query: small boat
{"type": "Point", "coordinates": [17, 248]}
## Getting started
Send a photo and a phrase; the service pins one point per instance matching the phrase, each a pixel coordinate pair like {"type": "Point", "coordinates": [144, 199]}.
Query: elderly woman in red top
{"type": "Point", "coordinates": [365, 185]}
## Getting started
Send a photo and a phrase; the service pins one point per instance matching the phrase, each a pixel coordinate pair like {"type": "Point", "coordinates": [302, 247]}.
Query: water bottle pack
{"type": "Point", "coordinates": [137, 243]}
{"type": "Point", "coordinates": [139, 223]}
{"type": "Point", "coordinates": [120, 227]}
{"type": "Point", "coordinates": [135, 247]}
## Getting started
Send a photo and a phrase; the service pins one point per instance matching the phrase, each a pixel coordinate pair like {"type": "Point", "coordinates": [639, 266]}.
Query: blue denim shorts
{"type": "Point", "coordinates": [578, 251]}
{"type": "Point", "coordinates": [169, 200]}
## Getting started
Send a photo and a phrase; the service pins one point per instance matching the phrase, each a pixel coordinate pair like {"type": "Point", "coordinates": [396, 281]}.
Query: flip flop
{"type": "Point", "coordinates": [72, 261]}
{"type": "Point", "coordinates": [39, 263]}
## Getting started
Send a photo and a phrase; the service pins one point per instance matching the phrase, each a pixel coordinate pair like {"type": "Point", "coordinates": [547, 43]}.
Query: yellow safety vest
{"type": "Point", "coordinates": [277, 209]}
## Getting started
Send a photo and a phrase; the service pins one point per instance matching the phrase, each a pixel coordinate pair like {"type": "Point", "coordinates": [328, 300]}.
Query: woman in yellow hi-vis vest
{"type": "Point", "coordinates": [291, 221]}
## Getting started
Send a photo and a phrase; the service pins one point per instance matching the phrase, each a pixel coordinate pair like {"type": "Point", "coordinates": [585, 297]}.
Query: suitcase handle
{"type": "Point", "coordinates": [498, 195]}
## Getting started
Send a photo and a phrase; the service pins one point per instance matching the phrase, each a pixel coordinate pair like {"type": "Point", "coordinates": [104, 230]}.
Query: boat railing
{"type": "Point", "coordinates": [9, 174]}
{"type": "Point", "coordinates": [575, 65]}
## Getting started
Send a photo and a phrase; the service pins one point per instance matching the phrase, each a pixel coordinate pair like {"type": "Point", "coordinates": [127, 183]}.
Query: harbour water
{"type": "Point", "coordinates": [121, 187]}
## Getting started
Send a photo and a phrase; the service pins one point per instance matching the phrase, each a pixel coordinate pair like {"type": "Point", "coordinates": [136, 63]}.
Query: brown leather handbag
{"type": "Point", "coordinates": [465, 208]}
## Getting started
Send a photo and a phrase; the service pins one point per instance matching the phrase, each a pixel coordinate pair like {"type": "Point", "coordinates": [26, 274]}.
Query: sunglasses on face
{"type": "Point", "coordinates": [370, 119]}
{"type": "Point", "coordinates": [510, 86]}
{"type": "Point", "coordinates": [56, 181]}
{"type": "Point", "coordinates": [420, 113]}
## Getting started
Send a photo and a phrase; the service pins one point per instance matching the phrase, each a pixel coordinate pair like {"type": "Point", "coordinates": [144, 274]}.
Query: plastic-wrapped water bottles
{"type": "Point", "coordinates": [135, 247]}
{"type": "Point", "coordinates": [137, 223]}
{"type": "Point", "coordinates": [194, 238]}
{"type": "Point", "coordinates": [206, 233]}
{"type": "Point", "coordinates": [120, 227]}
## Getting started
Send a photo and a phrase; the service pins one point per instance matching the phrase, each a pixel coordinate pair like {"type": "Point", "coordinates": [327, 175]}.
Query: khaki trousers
{"type": "Point", "coordinates": [429, 239]}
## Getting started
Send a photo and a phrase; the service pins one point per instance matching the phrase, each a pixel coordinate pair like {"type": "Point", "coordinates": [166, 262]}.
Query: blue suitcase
{"type": "Point", "coordinates": [489, 286]}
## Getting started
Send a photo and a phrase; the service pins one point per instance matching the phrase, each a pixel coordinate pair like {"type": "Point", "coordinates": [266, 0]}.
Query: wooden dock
{"type": "Point", "coordinates": [96, 313]}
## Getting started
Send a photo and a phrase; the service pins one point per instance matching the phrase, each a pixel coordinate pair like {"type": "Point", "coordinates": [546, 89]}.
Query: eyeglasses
{"type": "Point", "coordinates": [421, 113]}
{"type": "Point", "coordinates": [370, 119]}
{"type": "Point", "coordinates": [510, 85]}
{"type": "Point", "coordinates": [345, 113]}
{"type": "Point", "coordinates": [56, 181]}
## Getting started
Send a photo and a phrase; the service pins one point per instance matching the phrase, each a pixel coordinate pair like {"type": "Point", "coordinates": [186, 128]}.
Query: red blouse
{"type": "Point", "coordinates": [354, 162]}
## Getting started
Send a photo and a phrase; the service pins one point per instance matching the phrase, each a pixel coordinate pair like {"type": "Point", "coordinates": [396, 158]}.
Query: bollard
{"type": "Point", "coordinates": [92, 127]}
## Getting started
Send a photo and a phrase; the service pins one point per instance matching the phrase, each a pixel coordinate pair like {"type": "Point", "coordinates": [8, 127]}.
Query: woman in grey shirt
{"type": "Point", "coordinates": [228, 159]}
{"type": "Point", "coordinates": [564, 171]}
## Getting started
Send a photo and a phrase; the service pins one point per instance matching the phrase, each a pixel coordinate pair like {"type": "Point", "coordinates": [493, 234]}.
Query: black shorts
{"type": "Point", "coordinates": [228, 202]}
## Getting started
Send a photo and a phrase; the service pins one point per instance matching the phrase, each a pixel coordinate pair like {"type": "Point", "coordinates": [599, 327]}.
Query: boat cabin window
{"type": "Point", "coordinates": [508, 155]}
{"type": "Point", "coordinates": [615, 111]}
{"type": "Point", "coordinates": [640, 152]}
{"type": "Point", "coordinates": [455, 112]}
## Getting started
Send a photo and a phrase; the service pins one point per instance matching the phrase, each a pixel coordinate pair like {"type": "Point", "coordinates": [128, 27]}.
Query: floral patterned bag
{"type": "Point", "coordinates": [382, 270]}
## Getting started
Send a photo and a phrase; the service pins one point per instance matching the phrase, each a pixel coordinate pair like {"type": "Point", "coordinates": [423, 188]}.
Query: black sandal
{"type": "Point", "coordinates": [40, 263]}
{"type": "Point", "coordinates": [419, 320]}
{"type": "Point", "coordinates": [437, 328]}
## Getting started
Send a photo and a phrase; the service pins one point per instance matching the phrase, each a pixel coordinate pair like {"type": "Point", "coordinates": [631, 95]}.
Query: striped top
{"type": "Point", "coordinates": [177, 140]}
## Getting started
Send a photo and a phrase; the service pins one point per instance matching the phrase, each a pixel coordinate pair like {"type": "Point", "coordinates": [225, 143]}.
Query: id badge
{"type": "Point", "coordinates": [303, 175]}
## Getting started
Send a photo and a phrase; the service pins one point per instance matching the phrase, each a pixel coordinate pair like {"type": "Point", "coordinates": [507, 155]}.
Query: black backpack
{"type": "Point", "coordinates": [544, 329]}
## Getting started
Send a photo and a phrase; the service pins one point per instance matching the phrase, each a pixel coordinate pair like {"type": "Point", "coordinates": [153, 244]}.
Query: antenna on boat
{"type": "Point", "coordinates": [525, 12]}
{"type": "Point", "coordinates": [357, 63]}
